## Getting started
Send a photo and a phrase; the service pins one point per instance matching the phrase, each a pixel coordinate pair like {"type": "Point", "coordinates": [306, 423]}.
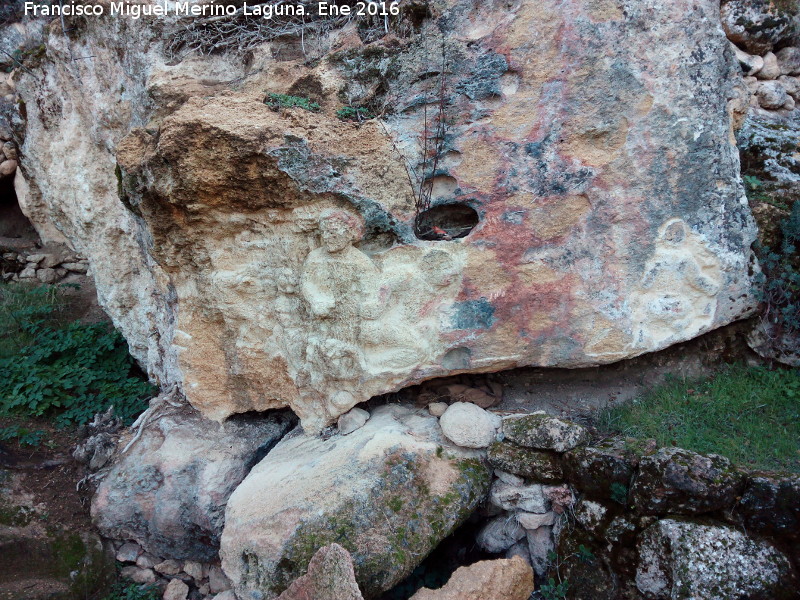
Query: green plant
{"type": "Point", "coordinates": [778, 284]}
{"type": "Point", "coordinates": [67, 370]}
{"type": "Point", "coordinates": [276, 101]}
{"type": "Point", "coordinates": [619, 493]}
{"type": "Point", "coordinates": [749, 414]}
{"type": "Point", "coordinates": [125, 590]}
{"type": "Point", "coordinates": [22, 435]}
{"type": "Point", "coordinates": [353, 113]}
{"type": "Point", "coordinates": [554, 591]}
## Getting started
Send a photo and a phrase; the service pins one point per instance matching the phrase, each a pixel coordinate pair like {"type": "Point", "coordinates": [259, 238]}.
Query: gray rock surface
{"type": "Point", "coordinates": [683, 560]}
{"type": "Point", "coordinates": [169, 491]}
{"type": "Point", "coordinates": [468, 425]}
{"type": "Point", "coordinates": [544, 432]}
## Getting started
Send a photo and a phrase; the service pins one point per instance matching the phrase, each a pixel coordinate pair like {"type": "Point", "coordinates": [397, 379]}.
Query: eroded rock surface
{"type": "Point", "coordinates": [388, 492]}
{"type": "Point", "coordinates": [501, 579]}
{"type": "Point", "coordinates": [169, 491]}
{"type": "Point", "coordinates": [263, 259]}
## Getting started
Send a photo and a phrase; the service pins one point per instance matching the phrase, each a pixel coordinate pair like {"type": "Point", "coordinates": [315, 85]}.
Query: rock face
{"type": "Point", "coordinates": [387, 492]}
{"type": "Point", "coordinates": [262, 258]}
{"type": "Point", "coordinates": [682, 560]}
{"type": "Point", "coordinates": [169, 491]}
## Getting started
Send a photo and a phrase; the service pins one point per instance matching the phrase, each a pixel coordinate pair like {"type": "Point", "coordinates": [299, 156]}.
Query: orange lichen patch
{"type": "Point", "coordinates": [537, 273]}
{"type": "Point", "coordinates": [480, 163]}
{"type": "Point", "coordinates": [593, 142]}
{"type": "Point", "coordinates": [481, 273]}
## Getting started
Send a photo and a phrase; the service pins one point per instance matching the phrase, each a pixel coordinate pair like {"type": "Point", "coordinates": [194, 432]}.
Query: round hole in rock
{"type": "Point", "coordinates": [446, 222]}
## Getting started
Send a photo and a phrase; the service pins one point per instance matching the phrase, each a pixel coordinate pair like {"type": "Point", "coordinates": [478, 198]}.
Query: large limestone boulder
{"type": "Point", "coordinates": [388, 492]}
{"type": "Point", "coordinates": [683, 560]}
{"type": "Point", "coordinates": [169, 490]}
{"type": "Point", "coordinates": [266, 258]}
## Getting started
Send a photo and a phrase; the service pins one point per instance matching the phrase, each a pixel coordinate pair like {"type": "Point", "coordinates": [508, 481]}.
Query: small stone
{"type": "Point", "coordinates": [176, 590]}
{"type": "Point", "coordinates": [540, 545]}
{"type": "Point", "coordinates": [10, 151]}
{"type": "Point", "coordinates": [204, 590]}
{"type": "Point", "coordinates": [226, 595]}
{"type": "Point", "coordinates": [791, 85]}
{"type": "Point", "coordinates": [138, 575]}
{"type": "Point", "coordinates": [129, 552]}
{"type": "Point", "coordinates": [147, 561]}
{"type": "Point", "coordinates": [771, 95]}
{"type": "Point", "coordinates": [788, 60]}
{"type": "Point", "coordinates": [194, 570]}
{"type": "Point", "coordinates": [437, 408]}
{"type": "Point", "coordinates": [529, 498]}
{"type": "Point", "coordinates": [49, 261]}
{"type": "Point", "coordinates": [509, 478]}
{"type": "Point", "coordinates": [28, 273]}
{"type": "Point", "coordinates": [8, 167]}
{"type": "Point", "coordinates": [354, 419]}
{"type": "Point", "coordinates": [751, 63]}
{"type": "Point", "coordinates": [543, 432]}
{"type": "Point", "coordinates": [770, 70]}
{"type": "Point", "coordinates": [76, 267]}
{"type": "Point", "coordinates": [532, 521]}
{"type": "Point", "coordinates": [35, 259]}
{"type": "Point", "coordinates": [468, 425]}
{"type": "Point", "coordinates": [500, 534]}
{"type": "Point", "coordinates": [46, 275]}
{"type": "Point", "coordinates": [60, 273]}
{"type": "Point", "coordinates": [790, 104]}
{"type": "Point", "coordinates": [169, 567]}
{"type": "Point", "coordinates": [217, 580]}
{"type": "Point", "coordinates": [520, 549]}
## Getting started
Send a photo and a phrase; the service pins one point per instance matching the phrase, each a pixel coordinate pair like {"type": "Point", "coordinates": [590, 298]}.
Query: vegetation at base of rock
{"type": "Point", "coordinates": [277, 101]}
{"type": "Point", "coordinates": [353, 113]}
{"type": "Point", "coordinates": [22, 435]}
{"type": "Point", "coordinates": [779, 281]}
{"type": "Point", "coordinates": [68, 371]}
{"type": "Point", "coordinates": [751, 415]}
{"type": "Point", "coordinates": [125, 590]}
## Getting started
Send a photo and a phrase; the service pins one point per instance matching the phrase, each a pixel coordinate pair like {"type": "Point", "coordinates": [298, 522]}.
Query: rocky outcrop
{"type": "Point", "coordinates": [265, 258]}
{"type": "Point", "coordinates": [330, 576]}
{"type": "Point", "coordinates": [387, 492]}
{"type": "Point", "coordinates": [168, 492]}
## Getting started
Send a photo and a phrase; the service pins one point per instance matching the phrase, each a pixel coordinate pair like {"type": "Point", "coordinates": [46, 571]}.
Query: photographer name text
{"type": "Point", "coordinates": [189, 9]}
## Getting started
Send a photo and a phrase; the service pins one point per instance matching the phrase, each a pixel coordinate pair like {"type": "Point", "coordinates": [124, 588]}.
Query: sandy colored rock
{"type": "Point", "coordinates": [468, 425]}
{"type": "Point", "coordinates": [352, 420]}
{"type": "Point", "coordinates": [437, 409]}
{"type": "Point", "coordinates": [330, 576]}
{"type": "Point", "coordinates": [176, 590]}
{"type": "Point", "coordinates": [213, 223]}
{"type": "Point", "coordinates": [395, 474]}
{"type": "Point", "coordinates": [770, 70]}
{"type": "Point", "coordinates": [8, 167]}
{"type": "Point", "coordinates": [501, 579]}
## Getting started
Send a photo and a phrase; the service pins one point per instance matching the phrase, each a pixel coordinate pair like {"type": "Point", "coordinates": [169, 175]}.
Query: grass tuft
{"type": "Point", "coordinates": [750, 415]}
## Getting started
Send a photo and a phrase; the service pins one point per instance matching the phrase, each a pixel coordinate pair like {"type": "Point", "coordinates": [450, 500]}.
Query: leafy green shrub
{"type": "Point", "coordinates": [68, 371]}
{"type": "Point", "coordinates": [779, 282]}
{"type": "Point", "coordinates": [749, 414]}
{"type": "Point", "coordinates": [276, 101]}
{"type": "Point", "coordinates": [22, 435]}
{"type": "Point", "coordinates": [125, 590]}
{"type": "Point", "coordinates": [353, 113]}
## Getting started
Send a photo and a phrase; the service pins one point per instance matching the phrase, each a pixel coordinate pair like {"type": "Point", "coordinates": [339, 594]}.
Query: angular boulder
{"type": "Point", "coordinates": [684, 482]}
{"type": "Point", "coordinates": [169, 490]}
{"type": "Point", "coordinates": [544, 432]}
{"type": "Point", "coordinates": [770, 505]}
{"type": "Point", "coordinates": [387, 492]}
{"type": "Point", "coordinates": [757, 25]}
{"type": "Point", "coordinates": [684, 560]}
{"type": "Point", "coordinates": [603, 471]}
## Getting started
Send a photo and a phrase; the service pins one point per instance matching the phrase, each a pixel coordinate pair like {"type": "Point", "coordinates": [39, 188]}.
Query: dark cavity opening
{"type": "Point", "coordinates": [13, 223]}
{"type": "Point", "coordinates": [446, 222]}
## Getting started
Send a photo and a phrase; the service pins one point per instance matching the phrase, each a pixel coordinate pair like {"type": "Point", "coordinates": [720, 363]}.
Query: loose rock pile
{"type": "Point", "coordinates": [53, 264]}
